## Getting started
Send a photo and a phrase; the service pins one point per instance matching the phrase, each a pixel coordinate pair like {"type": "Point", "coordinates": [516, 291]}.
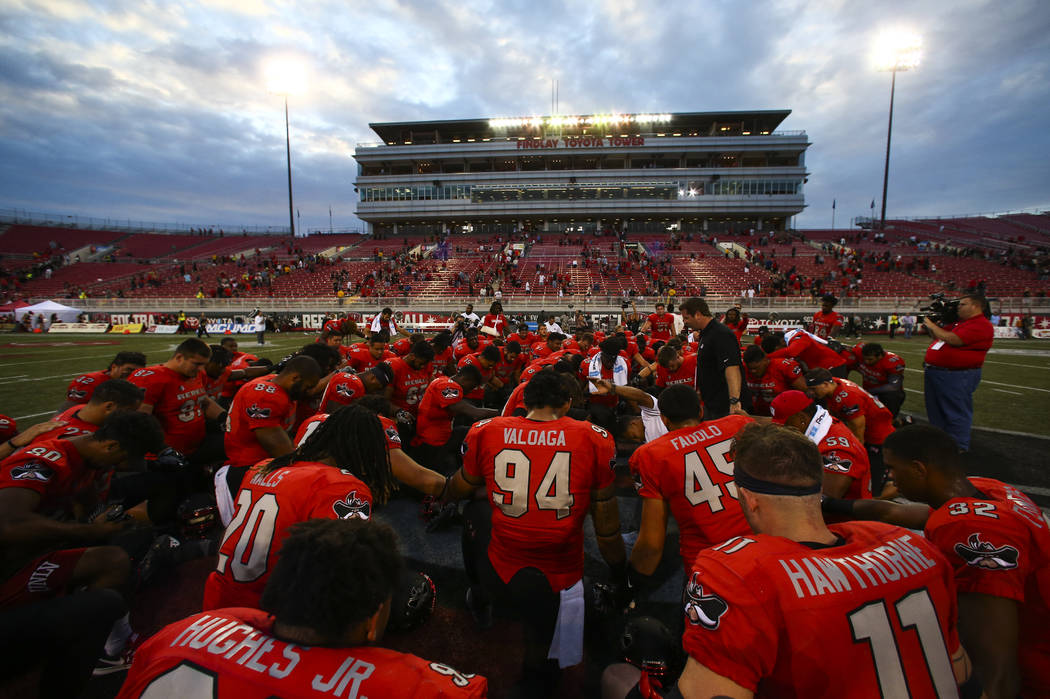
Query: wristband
{"type": "Point", "coordinates": [837, 506]}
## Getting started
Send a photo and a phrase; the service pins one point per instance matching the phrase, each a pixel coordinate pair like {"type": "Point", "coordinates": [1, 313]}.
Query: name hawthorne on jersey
{"type": "Point", "coordinates": [820, 575]}
{"type": "Point", "coordinates": [518, 436]}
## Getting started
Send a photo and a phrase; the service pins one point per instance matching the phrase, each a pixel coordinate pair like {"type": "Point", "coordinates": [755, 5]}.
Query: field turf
{"type": "Point", "coordinates": [1014, 394]}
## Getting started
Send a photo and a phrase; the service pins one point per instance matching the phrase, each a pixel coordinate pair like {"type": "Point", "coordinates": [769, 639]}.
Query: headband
{"type": "Point", "coordinates": [757, 485]}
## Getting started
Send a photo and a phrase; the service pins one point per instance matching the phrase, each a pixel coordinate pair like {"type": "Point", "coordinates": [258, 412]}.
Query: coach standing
{"type": "Point", "coordinates": [718, 376]}
{"type": "Point", "coordinates": [953, 367]}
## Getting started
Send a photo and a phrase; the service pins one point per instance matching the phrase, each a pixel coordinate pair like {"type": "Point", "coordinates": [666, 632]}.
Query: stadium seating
{"type": "Point", "coordinates": [26, 240]}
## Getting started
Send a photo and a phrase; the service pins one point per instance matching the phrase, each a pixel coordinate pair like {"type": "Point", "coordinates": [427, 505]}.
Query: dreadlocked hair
{"type": "Point", "coordinates": [352, 436]}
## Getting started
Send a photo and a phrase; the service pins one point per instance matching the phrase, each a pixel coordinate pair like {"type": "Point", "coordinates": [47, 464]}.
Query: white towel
{"type": "Point", "coordinates": [594, 370]}
{"type": "Point", "coordinates": [818, 427]}
{"type": "Point", "coordinates": [567, 644]}
{"type": "Point", "coordinates": [223, 498]}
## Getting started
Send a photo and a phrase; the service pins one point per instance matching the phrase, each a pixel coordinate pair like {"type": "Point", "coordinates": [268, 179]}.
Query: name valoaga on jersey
{"type": "Point", "coordinates": [550, 438]}
{"type": "Point", "coordinates": [820, 575]}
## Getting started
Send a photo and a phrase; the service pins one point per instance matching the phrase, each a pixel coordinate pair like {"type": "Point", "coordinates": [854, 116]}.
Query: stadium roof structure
{"type": "Point", "coordinates": [735, 123]}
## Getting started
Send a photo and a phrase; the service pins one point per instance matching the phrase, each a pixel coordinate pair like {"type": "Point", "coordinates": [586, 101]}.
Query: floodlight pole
{"type": "Point", "coordinates": [288, 151]}
{"type": "Point", "coordinates": [889, 133]}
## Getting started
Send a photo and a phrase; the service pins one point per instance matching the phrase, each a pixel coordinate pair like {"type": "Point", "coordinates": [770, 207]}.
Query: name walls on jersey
{"type": "Point", "coordinates": [898, 558]}
{"type": "Point", "coordinates": [581, 142]}
{"type": "Point", "coordinates": [230, 638]}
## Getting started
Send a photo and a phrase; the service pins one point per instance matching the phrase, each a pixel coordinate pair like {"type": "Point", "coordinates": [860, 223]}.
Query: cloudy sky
{"type": "Point", "coordinates": [159, 111]}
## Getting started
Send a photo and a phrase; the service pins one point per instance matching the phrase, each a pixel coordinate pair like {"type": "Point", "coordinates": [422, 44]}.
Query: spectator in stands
{"type": "Point", "coordinates": [953, 367]}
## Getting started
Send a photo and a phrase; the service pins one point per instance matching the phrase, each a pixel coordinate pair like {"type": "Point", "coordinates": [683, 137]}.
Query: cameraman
{"type": "Point", "coordinates": [953, 366]}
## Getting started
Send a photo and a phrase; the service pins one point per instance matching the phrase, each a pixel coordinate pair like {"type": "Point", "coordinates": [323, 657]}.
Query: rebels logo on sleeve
{"type": "Point", "coordinates": [352, 507]}
{"type": "Point", "coordinates": [32, 471]}
{"type": "Point", "coordinates": [982, 554]}
{"type": "Point", "coordinates": [700, 609]}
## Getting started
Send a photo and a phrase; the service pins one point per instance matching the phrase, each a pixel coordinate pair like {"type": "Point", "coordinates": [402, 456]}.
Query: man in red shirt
{"type": "Point", "coordinates": [44, 489]}
{"type": "Point", "coordinates": [411, 376]}
{"type": "Point", "coordinates": [552, 344]}
{"type": "Point", "coordinates": [524, 337]}
{"type": "Point", "coordinates": [175, 395]}
{"type": "Point", "coordinates": [767, 378]}
{"type": "Point", "coordinates": [509, 367]}
{"type": "Point", "coordinates": [996, 540]}
{"type": "Point", "coordinates": [736, 322]}
{"type": "Point", "coordinates": [863, 414]}
{"type": "Point", "coordinates": [688, 473]}
{"type": "Point", "coordinates": [81, 388]}
{"type": "Point", "coordinates": [953, 367]}
{"type": "Point", "coordinates": [880, 598]}
{"type": "Point", "coordinates": [485, 361]}
{"type": "Point", "coordinates": [436, 442]}
{"type": "Point", "coordinates": [847, 471]}
{"type": "Point", "coordinates": [263, 412]}
{"type": "Point", "coordinates": [337, 474]}
{"type": "Point", "coordinates": [523, 547]}
{"type": "Point", "coordinates": [883, 375]}
{"type": "Point", "coordinates": [384, 322]}
{"type": "Point", "coordinates": [219, 371]}
{"type": "Point", "coordinates": [239, 361]}
{"type": "Point", "coordinates": [444, 363]}
{"type": "Point", "coordinates": [807, 349]}
{"type": "Point", "coordinates": [112, 396]}
{"type": "Point", "coordinates": [495, 319]}
{"type": "Point", "coordinates": [365, 355]}
{"type": "Point", "coordinates": [826, 322]}
{"type": "Point", "coordinates": [346, 387]}
{"type": "Point", "coordinates": [315, 635]}
{"type": "Point", "coordinates": [674, 368]}
{"type": "Point", "coordinates": [470, 343]}
{"type": "Point", "coordinates": [659, 325]}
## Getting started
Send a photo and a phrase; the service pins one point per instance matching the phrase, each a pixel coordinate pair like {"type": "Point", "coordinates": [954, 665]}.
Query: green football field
{"type": "Point", "coordinates": [1014, 394]}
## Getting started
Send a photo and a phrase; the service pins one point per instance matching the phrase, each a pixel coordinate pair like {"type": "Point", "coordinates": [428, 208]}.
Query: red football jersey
{"type": "Point", "coordinates": [779, 377]}
{"type": "Point", "coordinates": [176, 402]}
{"type": "Point", "coordinates": [661, 326]}
{"type": "Point", "coordinates": [232, 653]}
{"type": "Point", "coordinates": [434, 422]}
{"type": "Point", "coordinates": [824, 323]}
{"type": "Point", "coordinates": [71, 426]}
{"type": "Point", "coordinates": [692, 471]}
{"type": "Point", "coordinates": [999, 545]}
{"type": "Point", "coordinates": [53, 469]}
{"type": "Point", "coordinates": [486, 374]}
{"type": "Point", "coordinates": [850, 401]}
{"type": "Point", "coordinates": [241, 360]}
{"type": "Point", "coordinates": [214, 387]}
{"type": "Point", "coordinates": [845, 455]}
{"type": "Point", "coordinates": [442, 361]}
{"type": "Point", "coordinates": [810, 351]}
{"type": "Point", "coordinates": [261, 403]}
{"type": "Point", "coordinates": [461, 349]}
{"type": "Point", "coordinates": [686, 373]}
{"type": "Point", "coordinates": [515, 400]}
{"type": "Point", "coordinates": [343, 388]}
{"type": "Point", "coordinates": [401, 347]}
{"type": "Point", "coordinates": [506, 371]}
{"type": "Point", "coordinates": [541, 350]}
{"type": "Point", "coordinates": [881, 371]}
{"type": "Point", "coordinates": [408, 384]}
{"type": "Point", "coordinates": [267, 505]}
{"type": "Point", "coordinates": [83, 387]}
{"type": "Point", "coordinates": [390, 433]}
{"type": "Point", "coordinates": [539, 476]}
{"type": "Point", "coordinates": [871, 617]}
{"type": "Point", "coordinates": [359, 358]}
{"type": "Point", "coordinates": [738, 328]}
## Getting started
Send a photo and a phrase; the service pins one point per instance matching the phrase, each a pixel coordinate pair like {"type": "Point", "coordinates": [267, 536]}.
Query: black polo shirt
{"type": "Point", "coordinates": [718, 350]}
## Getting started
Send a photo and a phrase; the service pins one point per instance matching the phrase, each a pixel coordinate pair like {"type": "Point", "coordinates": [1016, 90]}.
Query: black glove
{"type": "Point", "coordinates": [167, 461]}
{"type": "Point", "coordinates": [437, 516]}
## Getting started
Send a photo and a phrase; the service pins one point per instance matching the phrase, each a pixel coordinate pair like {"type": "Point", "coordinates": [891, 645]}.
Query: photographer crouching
{"type": "Point", "coordinates": [962, 336]}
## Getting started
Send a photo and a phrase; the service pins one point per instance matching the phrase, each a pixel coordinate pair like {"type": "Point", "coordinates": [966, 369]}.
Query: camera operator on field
{"type": "Point", "coordinates": [953, 361]}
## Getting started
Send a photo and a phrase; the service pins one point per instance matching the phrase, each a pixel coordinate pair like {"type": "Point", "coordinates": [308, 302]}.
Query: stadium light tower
{"type": "Point", "coordinates": [894, 51]}
{"type": "Point", "coordinates": [285, 77]}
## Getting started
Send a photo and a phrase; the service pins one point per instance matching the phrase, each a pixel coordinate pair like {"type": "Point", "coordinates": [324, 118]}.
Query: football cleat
{"type": "Point", "coordinates": [480, 610]}
{"type": "Point", "coordinates": [109, 664]}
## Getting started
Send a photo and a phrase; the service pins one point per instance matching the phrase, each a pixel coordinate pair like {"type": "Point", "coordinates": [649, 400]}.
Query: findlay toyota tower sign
{"type": "Point", "coordinates": [582, 142]}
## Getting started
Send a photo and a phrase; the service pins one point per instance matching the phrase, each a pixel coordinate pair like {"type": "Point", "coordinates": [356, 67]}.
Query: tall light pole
{"type": "Point", "coordinates": [285, 76]}
{"type": "Point", "coordinates": [288, 151]}
{"type": "Point", "coordinates": [894, 51]}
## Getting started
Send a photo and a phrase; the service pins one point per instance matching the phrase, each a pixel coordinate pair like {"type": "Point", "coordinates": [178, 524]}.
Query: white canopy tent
{"type": "Point", "coordinates": [65, 314]}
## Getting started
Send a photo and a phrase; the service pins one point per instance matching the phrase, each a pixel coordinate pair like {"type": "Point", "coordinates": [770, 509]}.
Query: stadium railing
{"type": "Point", "coordinates": [535, 302]}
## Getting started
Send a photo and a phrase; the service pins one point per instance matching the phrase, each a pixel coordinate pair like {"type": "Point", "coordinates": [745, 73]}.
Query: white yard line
{"type": "Point", "coordinates": [996, 383]}
{"type": "Point", "coordinates": [24, 417]}
{"type": "Point", "coordinates": [1003, 390]}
